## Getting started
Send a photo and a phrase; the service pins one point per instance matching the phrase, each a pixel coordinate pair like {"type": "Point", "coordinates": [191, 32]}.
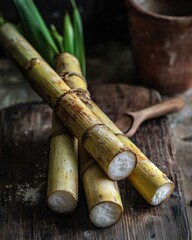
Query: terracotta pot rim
{"type": "Point", "coordinates": [156, 15]}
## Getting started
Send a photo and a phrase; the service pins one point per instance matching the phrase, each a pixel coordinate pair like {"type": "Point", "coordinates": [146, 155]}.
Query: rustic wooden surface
{"type": "Point", "coordinates": [24, 131]}
{"type": "Point", "coordinates": [182, 135]}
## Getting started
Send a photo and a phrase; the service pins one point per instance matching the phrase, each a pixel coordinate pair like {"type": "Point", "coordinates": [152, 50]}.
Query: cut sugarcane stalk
{"type": "Point", "coordinates": [62, 193]}
{"type": "Point", "coordinates": [147, 179]}
{"type": "Point", "coordinates": [111, 154]}
{"type": "Point", "coordinates": [102, 194]}
{"type": "Point", "coordinates": [57, 198]}
{"type": "Point", "coordinates": [104, 203]}
{"type": "Point", "coordinates": [73, 77]}
{"type": "Point", "coordinates": [152, 184]}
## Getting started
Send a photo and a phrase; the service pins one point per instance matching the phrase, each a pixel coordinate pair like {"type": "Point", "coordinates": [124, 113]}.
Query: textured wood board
{"type": "Point", "coordinates": [24, 131]}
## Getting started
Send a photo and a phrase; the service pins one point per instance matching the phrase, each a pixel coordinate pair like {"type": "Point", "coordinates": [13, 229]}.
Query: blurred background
{"type": "Point", "coordinates": [106, 34]}
{"type": "Point", "coordinates": [103, 19]}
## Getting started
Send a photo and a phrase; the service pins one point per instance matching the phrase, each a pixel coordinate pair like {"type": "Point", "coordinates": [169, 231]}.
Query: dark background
{"type": "Point", "coordinates": [108, 55]}
{"type": "Point", "coordinates": [104, 20]}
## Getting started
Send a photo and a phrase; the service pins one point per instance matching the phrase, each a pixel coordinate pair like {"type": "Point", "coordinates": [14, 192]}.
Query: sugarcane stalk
{"type": "Point", "coordinates": [103, 197]}
{"type": "Point", "coordinates": [148, 180]}
{"type": "Point", "coordinates": [62, 194]}
{"type": "Point", "coordinates": [95, 137]}
{"type": "Point", "coordinates": [102, 194]}
{"type": "Point", "coordinates": [73, 77]}
{"type": "Point", "coordinates": [62, 190]}
{"type": "Point", "coordinates": [105, 207]}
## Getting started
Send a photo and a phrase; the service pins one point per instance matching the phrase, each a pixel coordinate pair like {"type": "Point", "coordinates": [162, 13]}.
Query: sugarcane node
{"type": "Point", "coordinates": [80, 91]}
{"type": "Point", "coordinates": [84, 95]}
{"type": "Point", "coordinates": [60, 98]}
{"type": "Point", "coordinates": [63, 131]}
{"type": "Point", "coordinates": [59, 58]}
{"type": "Point", "coordinates": [86, 133]}
{"type": "Point", "coordinates": [57, 55]}
{"type": "Point", "coordinates": [30, 64]}
{"type": "Point", "coordinates": [66, 75]}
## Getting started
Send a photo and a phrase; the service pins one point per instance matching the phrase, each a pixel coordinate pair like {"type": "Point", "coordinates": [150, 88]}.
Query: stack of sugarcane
{"type": "Point", "coordinates": [103, 154]}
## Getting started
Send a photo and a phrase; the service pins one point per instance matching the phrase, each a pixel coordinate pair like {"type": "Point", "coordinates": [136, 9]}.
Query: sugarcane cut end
{"type": "Point", "coordinates": [162, 193]}
{"type": "Point", "coordinates": [61, 202]}
{"type": "Point", "coordinates": [122, 165]}
{"type": "Point", "coordinates": [105, 214]}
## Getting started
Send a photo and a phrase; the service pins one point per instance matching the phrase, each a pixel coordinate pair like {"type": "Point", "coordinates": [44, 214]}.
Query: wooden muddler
{"type": "Point", "coordinates": [95, 137]}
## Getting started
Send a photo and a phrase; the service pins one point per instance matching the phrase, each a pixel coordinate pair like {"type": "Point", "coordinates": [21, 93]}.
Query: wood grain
{"type": "Point", "coordinates": [24, 141]}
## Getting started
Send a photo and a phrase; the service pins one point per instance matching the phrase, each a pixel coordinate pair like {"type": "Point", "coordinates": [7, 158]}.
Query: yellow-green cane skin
{"type": "Point", "coordinates": [101, 189]}
{"type": "Point", "coordinates": [70, 109]}
{"type": "Point", "coordinates": [146, 177]}
{"type": "Point", "coordinates": [63, 163]}
{"type": "Point", "coordinates": [42, 78]}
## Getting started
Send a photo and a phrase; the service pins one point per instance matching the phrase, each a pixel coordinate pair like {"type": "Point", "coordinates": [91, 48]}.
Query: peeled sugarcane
{"type": "Point", "coordinates": [147, 179]}
{"type": "Point", "coordinates": [114, 157]}
{"type": "Point", "coordinates": [62, 192]}
{"type": "Point", "coordinates": [102, 194]}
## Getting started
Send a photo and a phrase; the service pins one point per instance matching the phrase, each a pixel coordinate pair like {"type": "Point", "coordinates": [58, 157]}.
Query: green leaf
{"type": "Point", "coordinates": [36, 30]}
{"type": "Point", "coordinates": [79, 49]}
{"type": "Point", "coordinates": [68, 33]}
{"type": "Point", "coordinates": [57, 38]}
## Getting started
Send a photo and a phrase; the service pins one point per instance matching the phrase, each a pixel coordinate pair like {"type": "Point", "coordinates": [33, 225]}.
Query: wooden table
{"type": "Point", "coordinates": [23, 176]}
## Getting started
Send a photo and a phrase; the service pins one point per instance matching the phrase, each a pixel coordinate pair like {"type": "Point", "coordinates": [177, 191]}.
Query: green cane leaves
{"type": "Point", "coordinates": [79, 49]}
{"type": "Point", "coordinates": [73, 36]}
{"type": "Point", "coordinates": [68, 33]}
{"type": "Point", "coordinates": [36, 30]}
{"type": "Point", "coordinates": [58, 39]}
{"type": "Point", "coordinates": [48, 41]}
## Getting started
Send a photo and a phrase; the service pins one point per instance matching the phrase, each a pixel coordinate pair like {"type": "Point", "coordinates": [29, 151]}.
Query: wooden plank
{"type": "Point", "coordinates": [182, 135]}
{"type": "Point", "coordinates": [24, 132]}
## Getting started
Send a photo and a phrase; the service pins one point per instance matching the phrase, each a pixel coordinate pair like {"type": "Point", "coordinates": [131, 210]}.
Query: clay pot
{"type": "Point", "coordinates": [161, 34]}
